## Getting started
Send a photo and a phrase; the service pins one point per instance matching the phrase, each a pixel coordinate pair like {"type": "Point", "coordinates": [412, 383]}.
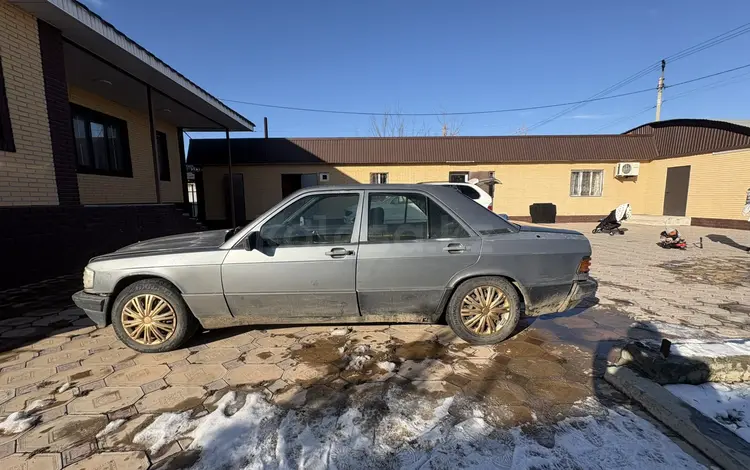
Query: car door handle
{"type": "Point", "coordinates": [339, 252]}
{"type": "Point", "coordinates": [455, 248]}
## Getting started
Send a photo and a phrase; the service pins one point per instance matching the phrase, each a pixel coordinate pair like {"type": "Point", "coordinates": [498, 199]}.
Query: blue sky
{"type": "Point", "coordinates": [442, 56]}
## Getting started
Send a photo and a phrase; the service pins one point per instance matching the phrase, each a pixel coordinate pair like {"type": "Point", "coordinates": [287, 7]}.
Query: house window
{"type": "Point", "coordinates": [586, 182]}
{"type": "Point", "coordinates": [379, 178]}
{"type": "Point", "coordinates": [162, 155]}
{"type": "Point", "coordinates": [6, 132]}
{"type": "Point", "coordinates": [458, 176]}
{"type": "Point", "coordinates": [101, 143]}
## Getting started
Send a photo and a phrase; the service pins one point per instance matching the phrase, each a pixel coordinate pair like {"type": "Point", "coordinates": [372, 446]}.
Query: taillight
{"type": "Point", "coordinates": [489, 207]}
{"type": "Point", "coordinates": [585, 265]}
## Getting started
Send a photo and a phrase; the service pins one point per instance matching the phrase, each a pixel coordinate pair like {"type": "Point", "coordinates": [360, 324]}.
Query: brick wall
{"type": "Point", "coordinates": [27, 176]}
{"type": "Point", "coordinates": [99, 189]}
{"type": "Point", "coordinates": [718, 185]}
{"type": "Point", "coordinates": [522, 185]}
{"type": "Point", "coordinates": [39, 243]}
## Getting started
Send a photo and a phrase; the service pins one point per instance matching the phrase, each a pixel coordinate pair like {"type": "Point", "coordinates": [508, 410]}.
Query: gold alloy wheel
{"type": "Point", "coordinates": [484, 310]}
{"type": "Point", "coordinates": [148, 319]}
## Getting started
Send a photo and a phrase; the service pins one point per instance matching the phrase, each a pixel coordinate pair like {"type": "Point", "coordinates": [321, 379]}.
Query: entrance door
{"type": "Point", "coordinates": [676, 190]}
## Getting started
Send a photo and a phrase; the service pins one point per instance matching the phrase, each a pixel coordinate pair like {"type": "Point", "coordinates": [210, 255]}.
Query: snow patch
{"type": "Point", "coordinates": [674, 331]}
{"type": "Point", "coordinates": [386, 366]}
{"type": "Point", "coordinates": [39, 404]}
{"type": "Point", "coordinates": [164, 430]}
{"type": "Point", "coordinates": [111, 427]}
{"type": "Point", "coordinates": [728, 404]}
{"type": "Point", "coordinates": [411, 432]}
{"type": "Point", "coordinates": [724, 349]}
{"type": "Point", "coordinates": [358, 357]}
{"type": "Point", "coordinates": [18, 422]}
{"type": "Point", "coordinates": [339, 331]}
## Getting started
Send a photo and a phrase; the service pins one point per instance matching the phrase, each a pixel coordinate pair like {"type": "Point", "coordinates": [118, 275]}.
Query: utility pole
{"type": "Point", "coordinates": [660, 90]}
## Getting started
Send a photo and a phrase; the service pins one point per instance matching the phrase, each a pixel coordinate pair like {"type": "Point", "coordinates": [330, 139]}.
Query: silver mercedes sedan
{"type": "Point", "coordinates": [337, 255]}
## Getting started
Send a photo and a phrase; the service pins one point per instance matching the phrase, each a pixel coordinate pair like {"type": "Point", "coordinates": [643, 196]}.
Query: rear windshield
{"type": "Point", "coordinates": [467, 191]}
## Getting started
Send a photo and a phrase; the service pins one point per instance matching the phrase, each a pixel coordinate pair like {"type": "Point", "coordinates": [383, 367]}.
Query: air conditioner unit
{"type": "Point", "coordinates": [323, 177]}
{"type": "Point", "coordinates": [627, 169]}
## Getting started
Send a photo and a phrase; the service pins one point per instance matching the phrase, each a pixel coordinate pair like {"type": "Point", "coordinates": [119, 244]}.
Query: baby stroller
{"type": "Point", "coordinates": [611, 223]}
{"type": "Point", "coordinates": [670, 238]}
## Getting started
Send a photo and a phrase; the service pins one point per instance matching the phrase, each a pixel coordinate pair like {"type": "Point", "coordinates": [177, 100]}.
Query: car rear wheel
{"type": "Point", "coordinates": [150, 316]}
{"type": "Point", "coordinates": [484, 310]}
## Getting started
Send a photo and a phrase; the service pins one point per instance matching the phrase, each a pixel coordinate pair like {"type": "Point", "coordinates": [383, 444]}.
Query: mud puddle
{"type": "Point", "coordinates": [729, 272]}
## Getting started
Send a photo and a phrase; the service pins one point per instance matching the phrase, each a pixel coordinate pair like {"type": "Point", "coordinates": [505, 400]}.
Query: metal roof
{"type": "Point", "coordinates": [653, 141]}
{"type": "Point", "coordinates": [415, 150]}
{"type": "Point", "coordinates": [681, 137]}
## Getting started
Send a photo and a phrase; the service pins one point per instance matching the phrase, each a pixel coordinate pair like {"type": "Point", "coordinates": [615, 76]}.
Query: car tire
{"type": "Point", "coordinates": [509, 318]}
{"type": "Point", "coordinates": [179, 324]}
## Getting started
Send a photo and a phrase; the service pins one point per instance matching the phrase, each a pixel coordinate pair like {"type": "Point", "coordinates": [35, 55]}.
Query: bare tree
{"type": "Point", "coordinates": [449, 125]}
{"type": "Point", "coordinates": [393, 124]}
{"type": "Point", "coordinates": [388, 124]}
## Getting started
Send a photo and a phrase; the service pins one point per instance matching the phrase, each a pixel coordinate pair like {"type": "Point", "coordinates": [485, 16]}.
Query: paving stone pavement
{"type": "Point", "coordinates": [706, 288]}
{"type": "Point", "coordinates": [552, 361]}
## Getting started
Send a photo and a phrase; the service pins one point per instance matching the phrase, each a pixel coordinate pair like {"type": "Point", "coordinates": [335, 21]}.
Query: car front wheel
{"type": "Point", "coordinates": [150, 316]}
{"type": "Point", "coordinates": [484, 310]}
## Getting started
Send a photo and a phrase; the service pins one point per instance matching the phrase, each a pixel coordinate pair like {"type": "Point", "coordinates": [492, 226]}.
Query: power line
{"type": "Point", "coordinates": [618, 121]}
{"type": "Point", "coordinates": [462, 113]}
{"type": "Point", "coordinates": [710, 86]}
{"type": "Point", "coordinates": [712, 75]}
{"type": "Point", "coordinates": [711, 42]}
{"type": "Point", "coordinates": [493, 111]}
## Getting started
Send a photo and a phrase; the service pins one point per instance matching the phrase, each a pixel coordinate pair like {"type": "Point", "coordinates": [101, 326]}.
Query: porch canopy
{"type": "Point", "coordinates": [102, 60]}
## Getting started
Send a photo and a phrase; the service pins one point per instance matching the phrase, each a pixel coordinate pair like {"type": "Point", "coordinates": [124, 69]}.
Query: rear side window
{"type": "Point", "coordinates": [395, 217]}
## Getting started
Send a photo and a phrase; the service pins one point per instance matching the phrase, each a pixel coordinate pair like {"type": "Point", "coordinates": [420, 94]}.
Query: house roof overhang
{"type": "Point", "coordinates": [88, 32]}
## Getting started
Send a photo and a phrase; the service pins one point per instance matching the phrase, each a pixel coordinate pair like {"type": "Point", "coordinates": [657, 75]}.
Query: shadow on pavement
{"type": "Point", "coordinates": [725, 240]}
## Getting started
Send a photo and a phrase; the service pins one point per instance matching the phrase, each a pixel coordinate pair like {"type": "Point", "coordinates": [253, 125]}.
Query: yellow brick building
{"type": "Point", "coordinates": [91, 147]}
{"type": "Point", "coordinates": [708, 163]}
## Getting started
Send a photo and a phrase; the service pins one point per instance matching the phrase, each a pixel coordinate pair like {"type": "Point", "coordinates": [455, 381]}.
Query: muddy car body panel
{"type": "Point", "coordinates": [290, 268]}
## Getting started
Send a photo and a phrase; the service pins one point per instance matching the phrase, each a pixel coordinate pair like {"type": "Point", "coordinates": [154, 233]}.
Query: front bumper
{"type": "Point", "coordinates": [579, 291]}
{"type": "Point", "coordinates": [95, 307]}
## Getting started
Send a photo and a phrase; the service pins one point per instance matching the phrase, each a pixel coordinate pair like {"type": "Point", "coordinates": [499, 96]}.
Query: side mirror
{"type": "Point", "coordinates": [251, 242]}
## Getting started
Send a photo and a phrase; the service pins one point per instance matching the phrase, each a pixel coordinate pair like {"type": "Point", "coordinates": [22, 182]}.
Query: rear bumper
{"type": "Point", "coordinates": [95, 307]}
{"type": "Point", "coordinates": [579, 291]}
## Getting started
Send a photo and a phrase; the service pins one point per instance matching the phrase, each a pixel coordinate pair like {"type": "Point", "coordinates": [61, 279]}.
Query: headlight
{"type": "Point", "coordinates": [88, 278]}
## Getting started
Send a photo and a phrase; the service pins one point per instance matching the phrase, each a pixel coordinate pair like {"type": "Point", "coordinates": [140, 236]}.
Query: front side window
{"type": "Point", "coordinates": [6, 131]}
{"type": "Point", "coordinates": [101, 143]}
{"type": "Point", "coordinates": [162, 155]}
{"type": "Point", "coordinates": [313, 220]}
{"type": "Point", "coordinates": [586, 182]}
{"type": "Point", "coordinates": [396, 217]}
{"type": "Point", "coordinates": [378, 178]}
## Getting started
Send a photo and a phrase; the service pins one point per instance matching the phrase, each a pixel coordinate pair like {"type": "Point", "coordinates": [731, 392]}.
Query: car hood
{"type": "Point", "coordinates": [183, 241]}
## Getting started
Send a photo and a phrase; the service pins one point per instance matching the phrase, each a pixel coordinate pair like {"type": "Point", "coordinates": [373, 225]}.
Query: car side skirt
{"type": "Point", "coordinates": [215, 322]}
